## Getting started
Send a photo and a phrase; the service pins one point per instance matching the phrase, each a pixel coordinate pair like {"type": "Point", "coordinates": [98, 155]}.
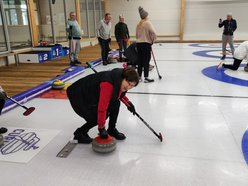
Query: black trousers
{"type": "Point", "coordinates": [235, 65]}
{"type": "Point", "coordinates": [104, 44]}
{"type": "Point", "coordinates": [2, 102]}
{"type": "Point", "coordinates": [144, 57]}
{"type": "Point", "coordinates": [91, 117]}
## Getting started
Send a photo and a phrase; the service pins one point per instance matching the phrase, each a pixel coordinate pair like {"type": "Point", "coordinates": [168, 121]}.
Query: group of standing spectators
{"type": "Point", "coordinates": [145, 37]}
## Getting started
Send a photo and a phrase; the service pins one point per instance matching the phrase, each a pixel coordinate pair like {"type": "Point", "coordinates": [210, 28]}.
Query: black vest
{"type": "Point", "coordinates": [85, 92]}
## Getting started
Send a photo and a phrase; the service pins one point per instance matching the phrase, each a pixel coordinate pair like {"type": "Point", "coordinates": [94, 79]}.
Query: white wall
{"type": "Point", "coordinates": [164, 14]}
{"type": "Point", "coordinates": [201, 16]}
{"type": "Point", "coordinates": [201, 19]}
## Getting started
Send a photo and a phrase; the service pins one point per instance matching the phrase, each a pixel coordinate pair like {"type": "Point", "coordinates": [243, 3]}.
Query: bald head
{"type": "Point", "coordinates": [121, 18]}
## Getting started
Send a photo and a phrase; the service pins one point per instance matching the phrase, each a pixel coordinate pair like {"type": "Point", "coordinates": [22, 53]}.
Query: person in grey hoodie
{"type": "Point", "coordinates": [104, 36]}
{"type": "Point", "coordinates": [74, 35]}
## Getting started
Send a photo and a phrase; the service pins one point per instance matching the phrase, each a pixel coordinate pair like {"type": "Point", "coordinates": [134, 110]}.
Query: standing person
{"type": "Point", "coordinates": [104, 37]}
{"type": "Point", "coordinates": [121, 35]}
{"type": "Point", "coordinates": [2, 102]}
{"type": "Point", "coordinates": [74, 35]}
{"type": "Point", "coordinates": [97, 96]}
{"type": "Point", "coordinates": [145, 37]}
{"type": "Point", "coordinates": [240, 53]}
{"type": "Point", "coordinates": [230, 25]}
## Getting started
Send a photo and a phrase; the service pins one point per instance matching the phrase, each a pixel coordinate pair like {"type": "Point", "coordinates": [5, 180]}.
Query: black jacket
{"type": "Point", "coordinates": [131, 54]}
{"type": "Point", "coordinates": [84, 93]}
{"type": "Point", "coordinates": [229, 26]}
{"type": "Point", "coordinates": [121, 31]}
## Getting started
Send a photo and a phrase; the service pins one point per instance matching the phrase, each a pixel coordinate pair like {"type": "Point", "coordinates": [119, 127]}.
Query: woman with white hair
{"type": "Point", "coordinates": [230, 25]}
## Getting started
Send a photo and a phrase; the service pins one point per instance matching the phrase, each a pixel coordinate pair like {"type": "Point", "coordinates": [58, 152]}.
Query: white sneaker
{"type": "Point", "coordinates": [220, 65]}
{"type": "Point", "coordinates": [147, 80]}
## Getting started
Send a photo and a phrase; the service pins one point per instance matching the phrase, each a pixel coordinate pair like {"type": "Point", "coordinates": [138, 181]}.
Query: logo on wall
{"type": "Point", "coordinates": [19, 140]}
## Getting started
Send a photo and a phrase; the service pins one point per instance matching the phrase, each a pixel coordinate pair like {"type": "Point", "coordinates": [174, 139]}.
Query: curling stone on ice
{"type": "Point", "coordinates": [58, 84]}
{"type": "Point", "coordinates": [104, 145]}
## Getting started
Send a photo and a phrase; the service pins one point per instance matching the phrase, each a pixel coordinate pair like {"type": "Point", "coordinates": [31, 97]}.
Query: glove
{"type": "Point", "coordinates": [71, 27]}
{"type": "Point", "coordinates": [131, 107]}
{"type": "Point", "coordinates": [103, 133]}
{"type": "Point", "coordinates": [3, 130]}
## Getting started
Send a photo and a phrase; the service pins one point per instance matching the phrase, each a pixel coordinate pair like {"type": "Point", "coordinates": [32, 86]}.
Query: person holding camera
{"type": "Point", "coordinates": [230, 25]}
{"type": "Point", "coordinates": [74, 35]}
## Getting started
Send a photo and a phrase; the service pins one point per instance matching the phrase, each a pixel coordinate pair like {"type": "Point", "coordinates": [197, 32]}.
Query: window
{"type": "Point", "coordinates": [16, 13]}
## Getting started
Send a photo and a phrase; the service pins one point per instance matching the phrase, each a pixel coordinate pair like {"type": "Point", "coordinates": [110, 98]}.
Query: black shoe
{"type": "Point", "coordinates": [73, 64]}
{"type": "Point", "coordinates": [103, 133]}
{"type": "Point", "coordinates": [223, 57]}
{"type": "Point", "coordinates": [116, 134]}
{"type": "Point", "coordinates": [147, 80]}
{"type": "Point", "coordinates": [77, 62]}
{"type": "Point", "coordinates": [104, 63]}
{"type": "Point", "coordinates": [3, 130]}
{"type": "Point", "coordinates": [81, 137]}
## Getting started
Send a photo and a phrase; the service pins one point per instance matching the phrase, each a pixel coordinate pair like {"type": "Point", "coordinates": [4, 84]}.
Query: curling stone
{"type": "Point", "coordinates": [246, 68]}
{"type": "Point", "coordinates": [58, 84]}
{"type": "Point", "coordinates": [1, 140]}
{"type": "Point", "coordinates": [104, 145]}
